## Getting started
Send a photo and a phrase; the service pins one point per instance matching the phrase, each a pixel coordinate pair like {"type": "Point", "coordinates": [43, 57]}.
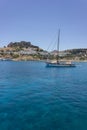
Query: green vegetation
{"type": "Point", "coordinates": [14, 55]}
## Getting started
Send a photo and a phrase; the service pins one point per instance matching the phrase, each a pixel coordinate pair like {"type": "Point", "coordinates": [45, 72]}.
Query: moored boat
{"type": "Point", "coordinates": [59, 63]}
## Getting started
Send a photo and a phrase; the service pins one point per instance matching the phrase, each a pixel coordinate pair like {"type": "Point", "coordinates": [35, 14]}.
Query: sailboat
{"type": "Point", "coordinates": [59, 63]}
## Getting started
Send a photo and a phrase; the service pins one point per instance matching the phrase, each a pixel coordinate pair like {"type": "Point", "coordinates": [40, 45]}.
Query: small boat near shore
{"type": "Point", "coordinates": [59, 63]}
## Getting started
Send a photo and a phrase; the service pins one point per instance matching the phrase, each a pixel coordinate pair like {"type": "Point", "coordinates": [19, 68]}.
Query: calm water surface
{"type": "Point", "coordinates": [33, 97]}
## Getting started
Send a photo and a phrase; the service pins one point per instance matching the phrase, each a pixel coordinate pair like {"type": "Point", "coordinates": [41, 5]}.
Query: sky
{"type": "Point", "coordinates": [38, 21]}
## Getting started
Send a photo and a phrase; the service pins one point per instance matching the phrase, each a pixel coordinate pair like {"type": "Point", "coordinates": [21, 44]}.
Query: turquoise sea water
{"type": "Point", "coordinates": [33, 97]}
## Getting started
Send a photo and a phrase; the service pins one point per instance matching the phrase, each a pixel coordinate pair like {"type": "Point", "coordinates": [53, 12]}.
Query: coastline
{"type": "Point", "coordinates": [41, 60]}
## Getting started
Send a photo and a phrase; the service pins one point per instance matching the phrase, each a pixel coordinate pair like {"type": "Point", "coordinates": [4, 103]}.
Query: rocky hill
{"type": "Point", "coordinates": [22, 51]}
{"type": "Point", "coordinates": [22, 44]}
{"type": "Point", "coordinates": [26, 51]}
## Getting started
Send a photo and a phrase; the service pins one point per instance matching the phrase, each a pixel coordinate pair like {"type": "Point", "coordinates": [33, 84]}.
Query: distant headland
{"type": "Point", "coordinates": [25, 51]}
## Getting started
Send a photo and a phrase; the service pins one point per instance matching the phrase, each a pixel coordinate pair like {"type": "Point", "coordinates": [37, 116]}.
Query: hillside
{"type": "Point", "coordinates": [72, 54]}
{"type": "Point", "coordinates": [27, 51]}
{"type": "Point", "coordinates": [22, 51]}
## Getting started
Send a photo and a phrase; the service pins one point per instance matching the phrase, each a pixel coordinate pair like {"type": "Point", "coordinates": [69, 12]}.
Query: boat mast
{"type": "Point", "coordinates": [58, 46]}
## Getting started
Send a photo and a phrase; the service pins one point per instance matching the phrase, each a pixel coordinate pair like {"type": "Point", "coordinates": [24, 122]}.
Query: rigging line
{"type": "Point", "coordinates": [56, 41]}
{"type": "Point", "coordinates": [54, 46]}
{"type": "Point", "coordinates": [51, 42]}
